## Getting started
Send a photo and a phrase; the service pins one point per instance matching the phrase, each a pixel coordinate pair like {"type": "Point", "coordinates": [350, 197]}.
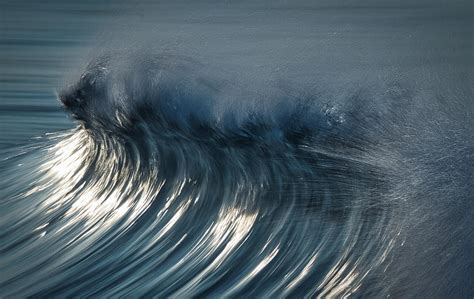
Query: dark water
{"type": "Point", "coordinates": [236, 149]}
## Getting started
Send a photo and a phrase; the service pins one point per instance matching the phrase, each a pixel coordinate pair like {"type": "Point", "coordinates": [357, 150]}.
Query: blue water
{"type": "Point", "coordinates": [229, 149]}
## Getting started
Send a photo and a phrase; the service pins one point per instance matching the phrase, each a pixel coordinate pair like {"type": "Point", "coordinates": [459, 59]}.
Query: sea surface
{"type": "Point", "coordinates": [236, 149]}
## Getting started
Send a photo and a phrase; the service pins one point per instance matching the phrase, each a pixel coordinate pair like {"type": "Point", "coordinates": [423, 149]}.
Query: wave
{"type": "Point", "coordinates": [179, 183]}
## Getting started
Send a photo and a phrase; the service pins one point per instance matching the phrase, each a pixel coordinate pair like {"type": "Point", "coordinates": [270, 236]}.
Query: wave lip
{"type": "Point", "coordinates": [176, 95]}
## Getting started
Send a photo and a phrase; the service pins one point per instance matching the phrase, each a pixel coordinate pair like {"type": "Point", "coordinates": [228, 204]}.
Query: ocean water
{"type": "Point", "coordinates": [236, 149]}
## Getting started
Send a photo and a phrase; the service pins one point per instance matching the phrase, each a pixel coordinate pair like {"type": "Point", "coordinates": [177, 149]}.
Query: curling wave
{"type": "Point", "coordinates": [167, 189]}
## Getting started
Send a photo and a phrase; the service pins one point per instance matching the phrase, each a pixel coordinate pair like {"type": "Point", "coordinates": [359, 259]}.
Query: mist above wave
{"type": "Point", "coordinates": [124, 91]}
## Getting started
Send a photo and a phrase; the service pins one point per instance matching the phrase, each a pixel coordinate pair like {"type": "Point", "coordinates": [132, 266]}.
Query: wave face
{"type": "Point", "coordinates": [168, 188]}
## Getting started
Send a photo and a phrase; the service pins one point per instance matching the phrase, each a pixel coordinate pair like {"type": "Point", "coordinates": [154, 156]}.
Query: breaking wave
{"type": "Point", "coordinates": [180, 183]}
